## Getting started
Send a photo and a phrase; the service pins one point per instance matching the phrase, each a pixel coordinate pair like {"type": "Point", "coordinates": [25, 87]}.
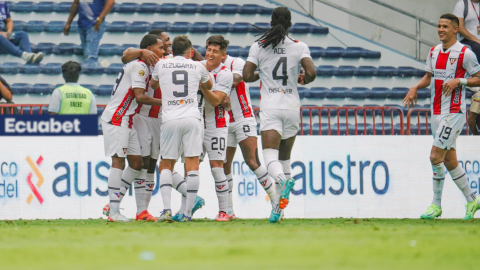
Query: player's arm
{"type": "Point", "coordinates": [309, 73]}
{"type": "Point", "coordinates": [147, 56]}
{"type": "Point", "coordinates": [141, 98]}
{"type": "Point", "coordinates": [55, 102]}
{"type": "Point", "coordinates": [196, 55]}
{"type": "Point", "coordinates": [411, 97]}
{"type": "Point", "coordinates": [214, 97]}
{"type": "Point", "coordinates": [249, 73]}
{"type": "Point", "coordinates": [470, 64]}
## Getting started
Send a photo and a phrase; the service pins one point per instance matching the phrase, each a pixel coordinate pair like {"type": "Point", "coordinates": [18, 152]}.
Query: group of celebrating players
{"type": "Point", "coordinates": [184, 106]}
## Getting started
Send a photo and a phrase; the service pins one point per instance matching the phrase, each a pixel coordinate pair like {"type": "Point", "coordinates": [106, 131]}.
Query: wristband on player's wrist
{"type": "Point", "coordinates": [463, 81]}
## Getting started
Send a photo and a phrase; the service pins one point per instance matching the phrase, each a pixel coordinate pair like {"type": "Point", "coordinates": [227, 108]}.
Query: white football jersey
{"type": "Point", "coordinates": [122, 105]}
{"type": "Point", "coordinates": [279, 70]}
{"type": "Point", "coordinates": [239, 96]}
{"type": "Point", "coordinates": [456, 62]}
{"type": "Point", "coordinates": [179, 80]}
{"type": "Point", "coordinates": [217, 117]}
{"type": "Point", "coordinates": [149, 110]}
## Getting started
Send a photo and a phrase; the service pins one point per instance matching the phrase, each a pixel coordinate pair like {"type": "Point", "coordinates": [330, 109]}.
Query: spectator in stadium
{"type": "Point", "coordinates": [91, 17]}
{"type": "Point", "coordinates": [16, 44]}
{"type": "Point", "coordinates": [474, 113]}
{"type": "Point", "coordinates": [468, 13]}
{"type": "Point", "coordinates": [71, 98]}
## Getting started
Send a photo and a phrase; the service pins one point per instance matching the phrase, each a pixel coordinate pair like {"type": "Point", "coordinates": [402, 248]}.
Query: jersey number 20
{"type": "Point", "coordinates": [178, 81]}
{"type": "Point", "coordinates": [284, 77]}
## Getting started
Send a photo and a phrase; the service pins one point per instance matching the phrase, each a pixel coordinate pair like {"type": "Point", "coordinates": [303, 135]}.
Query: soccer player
{"type": "Point", "coordinates": [120, 138]}
{"type": "Point", "coordinates": [450, 64]}
{"type": "Point", "coordinates": [182, 129]}
{"type": "Point", "coordinates": [277, 57]}
{"type": "Point", "coordinates": [242, 130]}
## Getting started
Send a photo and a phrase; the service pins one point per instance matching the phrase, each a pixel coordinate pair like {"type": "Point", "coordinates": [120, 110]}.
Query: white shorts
{"type": "Point", "coordinates": [148, 130]}
{"type": "Point", "coordinates": [446, 128]}
{"type": "Point", "coordinates": [215, 144]}
{"type": "Point", "coordinates": [239, 131]}
{"type": "Point", "coordinates": [286, 122]}
{"type": "Point", "coordinates": [120, 141]}
{"type": "Point", "coordinates": [184, 135]}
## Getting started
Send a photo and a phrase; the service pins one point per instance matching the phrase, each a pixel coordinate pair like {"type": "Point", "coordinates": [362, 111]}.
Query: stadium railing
{"type": "Point", "coordinates": [423, 126]}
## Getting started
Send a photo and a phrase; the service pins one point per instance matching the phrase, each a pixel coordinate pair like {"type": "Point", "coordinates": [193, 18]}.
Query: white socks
{"type": "Point", "coordinates": [274, 167]}
{"type": "Point", "coordinates": [180, 184]}
{"type": "Point", "coordinates": [140, 193]}
{"type": "Point", "coordinates": [149, 185]}
{"type": "Point", "coordinates": [221, 187]}
{"type": "Point", "coordinates": [114, 178]}
{"type": "Point", "coordinates": [166, 188]}
{"type": "Point", "coordinates": [438, 181]}
{"type": "Point", "coordinates": [460, 178]}
{"type": "Point", "coordinates": [287, 169]}
{"type": "Point", "coordinates": [128, 176]}
{"type": "Point", "coordinates": [262, 176]}
{"type": "Point", "coordinates": [193, 182]}
{"type": "Point", "coordinates": [230, 194]}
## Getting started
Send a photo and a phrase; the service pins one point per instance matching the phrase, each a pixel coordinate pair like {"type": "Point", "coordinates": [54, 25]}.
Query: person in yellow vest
{"type": "Point", "coordinates": [71, 98]}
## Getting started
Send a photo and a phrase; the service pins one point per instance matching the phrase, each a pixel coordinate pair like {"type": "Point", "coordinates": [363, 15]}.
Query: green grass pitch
{"type": "Point", "coordinates": [241, 244]}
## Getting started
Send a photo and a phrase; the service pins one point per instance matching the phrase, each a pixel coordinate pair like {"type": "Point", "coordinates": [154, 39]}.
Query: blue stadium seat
{"type": "Point", "coordinates": [316, 129]}
{"type": "Point", "coordinates": [468, 95]}
{"type": "Point", "coordinates": [337, 92]}
{"type": "Point", "coordinates": [168, 8]}
{"type": "Point", "coordinates": [188, 8]}
{"type": "Point", "coordinates": [302, 92]}
{"type": "Point", "coordinates": [351, 112]}
{"type": "Point", "coordinates": [234, 51]}
{"type": "Point", "coordinates": [9, 68]}
{"type": "Point", "coordinates": [46, 48]}
{"type": "Point", "coordinates": [317, 92]}
{"type": "Point", "coordinates": [23, 7]}
{"type": "Point", "coordinates": [34, 26]}
{"type": "Point", "coordinates": [385, 71]}
{"type": "Point", "coordinates": [121, 48]}
{"type": "Point", "coordinates": [221, 27]}
{"type": "Point", "coordinates": [404, 111]}
{"type": "Point", "coordinates": [117, 27]}
{"type": "Point", "coordinates": [100, 110]}
{"type": "Point", "coordinates": [30, 69]}
{"type": "Point", "coordinates": [333, 111]}
{"type": "Point", "coordinates": [404, 72]}
{"type": "Point", "coordinates": [240, 27]}
{"type": "Point", "coordinates": [104, 90]}
{"type": "Point", "coordinates": [418, 72]}
{"type": "Point", "coordinates": [54, 27]}
{"type": "Point", "coordinates": [358, 93]}
{"type": "Point", "coordinates": [326, 71]}
{"type": "Point", "coordinates": [114, 69]}
{"type": "Point", "coordinates": [425, 93]}
{"type": "Point", "coordinates": [318, 30]}
{"type": "Point", "coordinates": [254, 92]}
{"type": "Point", "coordinates": [267, 11]}
{"type": "Point", "coordinates": [316, 52]}
{"type": "Point", "coordinates": [342, 129]}
{"type": "Point", "coordinates": [115, 8]}
{"type": "Point", "coordinates": [200, 49]}
{"type": "Point", "coordinates": [344, 71]}
{"type": "Point", "coordinates": [365, 71]}
{"type": "Point", "coordinates": [148, 8]}
{"type": "Point", "coordinates": [369, 112]}
{"type": "Point", "coordinates": [180, 27]}
{"type": "Point", "coordinates": [62, 7]}
{"type": "Point", "coordinates": [398, 93]}
{"type": "Point", "coordinates": [371, 54]}
{"type": "Point", "coordinates": [379, 93]}
{"type": "Point", "coordinates": [303, 130]}
{"type": "Point", "coordinates": [426, 106]}
{"type": "Point", "coordinates": [42, 89]}
{"type": "Point", "coordinates": [64, 49]}
{"type": "Point", "coordinates": [11, 5]}
{"type": "Point", "coordinates": [139, 27]}
{"type": "Point", "coordinates": [19, 26]}
{"type": "Point", "coordinates": [380, 128]}
{"type": "Point", "coordinates": [306, 111]}
{"type": "Point", "coordinates": [333, 52]}
{"type": "Point", "coordinates": [127, 8]}
{"type": "Point", "coordinates": [353, 52]}
{"type": "Point", "coordinates": [209, 8]}
{"type": "Point", "coordinates": [74, 27]}
{"type": "Point", "coordinates": [44, 7]}
{"type": "Point", "coordinates": [300, 28]}
{"type": "Point", "coordinates": [91, 69]}
{"type": "Point", "coordinates": [162, 25]}
{"type": "Point", "coordinates": [92, 88]}
{"type": "Point", "coordinates": [245, 52]}
{"type": "Point", "coordinates": [413, 129]}
{"type": "Point", "coordinates": [261, 26]}
{"type": "Point", "coordinates": [201, 27]}
{"type": "Point", "coordinates": [77, 50]}
{"type": "Point", "coordinates": [249, 9]}
{"type": "Point", "coordinates": [107, 49]}
{"type": "Point", "coordinates": [52, 69]}
{"type": "Point", "coordinates": [21, 88]}
{"type": "Point", "coordinates": [363, 129]}
{"type": "Point", "coordinates": [229, 9]}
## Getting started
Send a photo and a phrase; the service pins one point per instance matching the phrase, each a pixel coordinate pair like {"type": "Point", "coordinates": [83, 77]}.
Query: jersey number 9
{"type": "Point", "coordinates": [183, 81]}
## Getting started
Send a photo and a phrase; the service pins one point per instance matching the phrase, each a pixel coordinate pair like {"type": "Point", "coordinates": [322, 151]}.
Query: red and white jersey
{"type": "Point", "coordinates": [279, 70]}
{"type": "Point", "coordinates": [149, 110]}
{"type": "Point", "coordinates": [217, 117]}
{"type": "Point", "coordinates": [239, 96]}
{"type": "Point", "coordinates": [458, 61]}
{"type": "Point", "coordinates": [179, 79]}
{"type": "Point", "coordinates": [122, 105]}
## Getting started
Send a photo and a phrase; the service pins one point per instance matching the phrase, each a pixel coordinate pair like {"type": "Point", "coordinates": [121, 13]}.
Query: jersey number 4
{"type": "Point", "coordinates": [284, 77]}
{"type": "Point", "coordinates": [180, 77]}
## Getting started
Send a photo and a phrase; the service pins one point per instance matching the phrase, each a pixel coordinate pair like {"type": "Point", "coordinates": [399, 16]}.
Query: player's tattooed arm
{"type": "Point", "coordinates": [249, 73]}
{"type": "Point", "coordinates": [141, 98]}
{"type": "Point", "coordinates": [411, 97]}
{"type": "Point", "coordinates": [147, 56]}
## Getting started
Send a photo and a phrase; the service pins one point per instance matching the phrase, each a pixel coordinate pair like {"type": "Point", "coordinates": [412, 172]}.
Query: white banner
{"type": "Point", "coordinates": [337, 176]}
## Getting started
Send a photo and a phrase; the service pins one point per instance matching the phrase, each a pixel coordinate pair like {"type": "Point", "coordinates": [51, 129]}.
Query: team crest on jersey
{"type": "Point", "coordinates": [453, 60]}
{"type": "Point", "coordinates": [125, 150]}
{"type": "Point", "coordinates": [141, 73]}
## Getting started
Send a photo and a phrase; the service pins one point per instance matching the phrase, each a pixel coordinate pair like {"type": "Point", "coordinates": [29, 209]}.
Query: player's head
{"type": "Point", "coordinates": [71, 71]}
{"type": "Point", "coordinates": [281, 22]}
{"type": "Point", "coordinates": [153, 44]}
{"type": "Point", "coordinates": [167, 42]}
{"type": "Point", "coordinates": [182, 46]}
{"type": "Point", "coordinates": [447, 27]}
{"type": "Point", "coordinates": [216, 50]}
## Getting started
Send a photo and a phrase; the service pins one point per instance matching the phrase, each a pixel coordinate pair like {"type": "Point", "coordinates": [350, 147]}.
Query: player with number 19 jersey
{"type": "Point", "coordinates": [279, 70]}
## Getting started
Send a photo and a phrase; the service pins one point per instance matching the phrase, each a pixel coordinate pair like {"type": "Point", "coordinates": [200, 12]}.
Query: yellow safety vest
{"type": "Point", "coordinates": [75, 99]}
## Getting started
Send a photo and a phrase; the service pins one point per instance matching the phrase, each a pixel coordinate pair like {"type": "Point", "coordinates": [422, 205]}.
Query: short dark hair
{"type": "Point", "coordinates": [71, 71]}
{"type": "Point", "coordinates": [148, 40]}
{"type": "Point", "coordinates": [180, 45]}
{"type": "Point", "coordinates": [451, 17]}
{"type": "Point", "coordinates": [156, 32]}
{"type": "Point", "coordinates": [218, 40]}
